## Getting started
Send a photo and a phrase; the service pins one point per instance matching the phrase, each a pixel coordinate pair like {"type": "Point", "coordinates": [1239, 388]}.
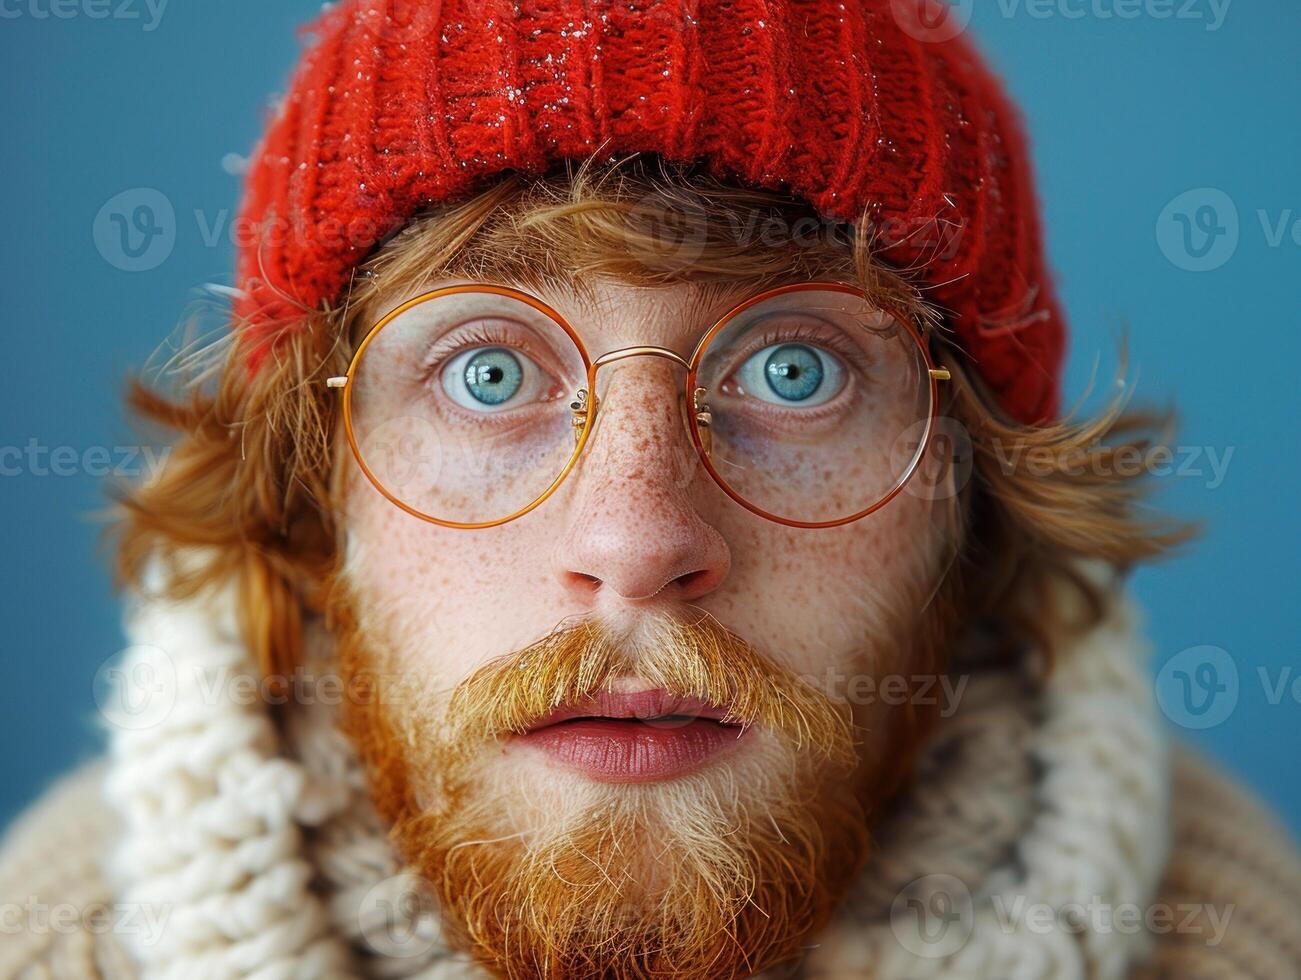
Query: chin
{"type": "Point", "coordinates": [548, 869]}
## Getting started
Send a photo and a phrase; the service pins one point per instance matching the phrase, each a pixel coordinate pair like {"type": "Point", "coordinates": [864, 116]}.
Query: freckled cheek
{"type": "Point", "coordinates": [392, 549]}
{"type": "Point", "coordinates": [448, 599]}
{"type": "Point", "coordinates": [819, 598]}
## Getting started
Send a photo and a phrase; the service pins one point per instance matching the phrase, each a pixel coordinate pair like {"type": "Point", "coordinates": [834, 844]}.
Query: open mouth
{"type": "Point", "coordinates": [643, 736]}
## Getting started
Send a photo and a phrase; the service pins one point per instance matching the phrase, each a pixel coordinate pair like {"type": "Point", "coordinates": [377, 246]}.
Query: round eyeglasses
{"type": "Point", "coordinates": [808, 405]}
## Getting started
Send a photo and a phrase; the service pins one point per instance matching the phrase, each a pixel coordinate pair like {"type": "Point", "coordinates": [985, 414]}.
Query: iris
{"type": "Point", "coordinates": [794, 372]}
{"type": "Point", "coordinates": [493, 375]}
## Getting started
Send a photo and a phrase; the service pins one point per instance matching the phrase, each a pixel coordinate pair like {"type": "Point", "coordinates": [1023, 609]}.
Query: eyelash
{"type": "Point", "coordinates": [852, 353]}
{"type": "Point", "coordinates": [461, 339]}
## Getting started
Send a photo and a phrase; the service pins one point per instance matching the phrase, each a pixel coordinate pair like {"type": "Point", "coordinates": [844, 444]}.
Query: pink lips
{"type": "Point", "coordinates": [643, 736]}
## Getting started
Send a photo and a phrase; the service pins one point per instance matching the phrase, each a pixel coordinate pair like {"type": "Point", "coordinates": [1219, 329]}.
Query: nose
{"type": "Point", "coordinates": [634, 531]}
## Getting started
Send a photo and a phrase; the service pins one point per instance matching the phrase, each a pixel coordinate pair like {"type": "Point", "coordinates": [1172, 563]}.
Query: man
{"type": "Point", "coordinates": [632, 534]}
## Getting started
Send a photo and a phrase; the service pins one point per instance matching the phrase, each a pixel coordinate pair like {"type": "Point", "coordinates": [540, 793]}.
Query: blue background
{"type": "Point", "coordinates": [1125, 114]}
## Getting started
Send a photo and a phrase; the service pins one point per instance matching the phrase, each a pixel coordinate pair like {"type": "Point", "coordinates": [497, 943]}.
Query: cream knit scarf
{"type": "Point", "coordinates": [1036, 803]}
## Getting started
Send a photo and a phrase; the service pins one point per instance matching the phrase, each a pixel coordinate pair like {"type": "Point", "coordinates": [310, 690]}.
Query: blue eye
{"type": "Point", "coordinates": [486, 379]}
{"type": "Point", "coordinates": [791, 374]}
{"type": "Point", "coordinates": [493, 376]}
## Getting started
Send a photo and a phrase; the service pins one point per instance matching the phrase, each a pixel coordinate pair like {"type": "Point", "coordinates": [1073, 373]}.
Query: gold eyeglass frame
{"type": "Point", "coordinates": [585, 406]}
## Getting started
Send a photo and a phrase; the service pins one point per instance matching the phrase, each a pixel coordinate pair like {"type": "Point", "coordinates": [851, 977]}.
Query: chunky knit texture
{"type": "Point", "coordinates": [400, 104]}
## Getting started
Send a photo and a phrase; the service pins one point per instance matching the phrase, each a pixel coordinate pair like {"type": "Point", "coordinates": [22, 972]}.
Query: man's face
{"type": "Point", "coordinates": [617, 798]}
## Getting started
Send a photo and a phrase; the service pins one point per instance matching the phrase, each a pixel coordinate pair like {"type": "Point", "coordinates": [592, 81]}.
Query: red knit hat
{"type": "Point", "coordinates": [849, 105]}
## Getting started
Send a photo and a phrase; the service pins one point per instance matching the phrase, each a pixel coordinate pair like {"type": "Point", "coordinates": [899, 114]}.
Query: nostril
{"type": "Point", "coordinates": [695, 583]}
{"type": "Point", "coordinates": [690, 585]}
{"type": "Point", "coordinates": [582, 583]}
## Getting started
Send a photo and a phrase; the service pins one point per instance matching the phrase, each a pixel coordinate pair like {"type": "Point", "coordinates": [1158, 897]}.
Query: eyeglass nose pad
{"type": "Point", "coordinates": [582, 408]}
{"type": "Point", "coordinates": [703, 418]}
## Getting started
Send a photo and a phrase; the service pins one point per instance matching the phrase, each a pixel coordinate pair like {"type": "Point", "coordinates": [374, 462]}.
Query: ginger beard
{"type": "Point", "coordinates": [540, 872]}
